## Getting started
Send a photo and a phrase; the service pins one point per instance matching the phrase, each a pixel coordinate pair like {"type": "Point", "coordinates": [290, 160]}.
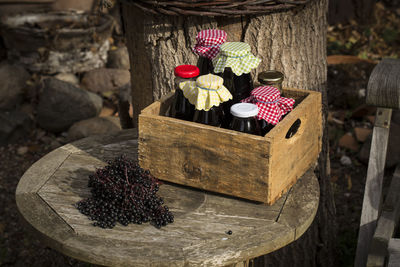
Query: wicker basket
{"type": "Point", "coordinates": [215, 8]}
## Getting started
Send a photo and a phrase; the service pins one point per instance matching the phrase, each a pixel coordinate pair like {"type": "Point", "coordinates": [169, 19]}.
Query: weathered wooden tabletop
{"type": "Point", "coordinates": [47, 192]}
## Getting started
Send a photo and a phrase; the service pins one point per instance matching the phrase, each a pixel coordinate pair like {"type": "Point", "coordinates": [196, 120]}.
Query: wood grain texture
{"type": "Point", "coordinates": [394, 252]}
{"type": "Point", "coordinates": [290, 158]}
{"type": "Point", "coordinates": [384, 84]}
{"type": "Point", "coordinates": [386, 225]}
{"type": "Point", "coordinates": [197, 237]}
{"type": "Point", "coordinates": [43, 169]}
{"type": "Point", "coordinates": [204, 157]}
{"type": "Point", "coordinates": [40, 217]}
{"type": "Point", "coordinates": [300, 206]}
{"type": "Point", "coordinates": [372, 192]}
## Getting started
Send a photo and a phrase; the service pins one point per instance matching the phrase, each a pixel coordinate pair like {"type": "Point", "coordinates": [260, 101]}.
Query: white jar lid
{"type": "Point", "coordinates": [244, 110]}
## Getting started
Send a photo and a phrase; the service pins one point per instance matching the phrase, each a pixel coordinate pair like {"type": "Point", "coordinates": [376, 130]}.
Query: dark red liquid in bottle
{"type": "Point", "coordinates": [240, 88]}
{"type": "Point", "coordinates": [181, 108]}
{"type": "Point", "coordinates": [265, 127]}
{"type": "Point", "coordinates": [211, 117]}
{"type": "Point", "coordinates": [205, 65]}
{"type": "Point", "coordinates": [245, 125]}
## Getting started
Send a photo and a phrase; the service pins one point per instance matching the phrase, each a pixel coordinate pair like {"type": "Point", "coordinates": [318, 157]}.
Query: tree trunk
{"type": "Point", "coordinates": [293, 42]}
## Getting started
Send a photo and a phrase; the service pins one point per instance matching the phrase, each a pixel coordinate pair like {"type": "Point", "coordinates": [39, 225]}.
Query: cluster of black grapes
{"type": "Point", "coordinates": [125, 193]}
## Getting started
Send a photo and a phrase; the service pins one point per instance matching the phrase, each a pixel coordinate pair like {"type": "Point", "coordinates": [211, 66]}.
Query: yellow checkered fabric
{"type": "Point", "coordinates": [237, 56]}
{"type": "Point", "coordinates": [207, 91]}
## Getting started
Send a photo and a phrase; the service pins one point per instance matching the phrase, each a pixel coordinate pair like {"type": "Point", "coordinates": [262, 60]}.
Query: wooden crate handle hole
{"type": "Point", "coordinates": [293, 129]}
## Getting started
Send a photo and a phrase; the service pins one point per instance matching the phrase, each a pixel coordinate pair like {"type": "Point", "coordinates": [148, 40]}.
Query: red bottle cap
{"type": "Point", "coordinates": [187, 71]}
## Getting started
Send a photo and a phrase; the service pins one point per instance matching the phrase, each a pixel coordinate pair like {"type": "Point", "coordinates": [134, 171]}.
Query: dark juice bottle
{"type": "Point", "coordinates": [265, 127]}
{"type": "Point", "coordinates": [208, 43]}
{"type": "Point", "coordinates": [234, 63]}
{"type": "Point", "coordinates": [244, 118]}
{"type": "Point", "coordinates": [205, 65]}
{"type": "Point", "coordinates": [240, 88]}
{"type": "Point", "coordinates": [245, 125]}
{"type": "Point", "coordinates": [243, 86]}
{"type": "Point", "coordinates": [209, 96]}
{"type": "Point", "coordinates": [211, 117]}
{"type": "Point", "coordinates": [272, 78]}
{"type": "Point", "coordinates": [271, 106]}
{"type": "Point", "coordinates": [181, 107]}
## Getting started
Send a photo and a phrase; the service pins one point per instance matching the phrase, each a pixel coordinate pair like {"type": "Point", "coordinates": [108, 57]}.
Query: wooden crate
{"type": "Point", "coordinates": [229, 162]}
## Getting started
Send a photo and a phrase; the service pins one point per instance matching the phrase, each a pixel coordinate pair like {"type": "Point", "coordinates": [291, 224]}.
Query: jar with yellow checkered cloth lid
{"type": "Point", "coordinates": [207, 94]}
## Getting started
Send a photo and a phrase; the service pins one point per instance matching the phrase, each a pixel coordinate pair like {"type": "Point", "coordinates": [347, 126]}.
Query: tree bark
{"type": "Point", "coordinates": [293, 42]}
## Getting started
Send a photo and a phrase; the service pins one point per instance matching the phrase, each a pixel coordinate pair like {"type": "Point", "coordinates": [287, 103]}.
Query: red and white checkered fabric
{"type": "Point", "coordinates": [209, 42]}
{"type": "Point", "coordinates": [271, 106]}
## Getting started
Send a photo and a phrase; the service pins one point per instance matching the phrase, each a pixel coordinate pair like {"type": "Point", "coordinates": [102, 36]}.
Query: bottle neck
{"type": "Point", "coordinates": [179, 80]}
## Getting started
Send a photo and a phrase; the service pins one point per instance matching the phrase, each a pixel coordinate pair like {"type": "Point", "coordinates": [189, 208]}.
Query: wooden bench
{"type": "Point", "coordinates": [376, 245]}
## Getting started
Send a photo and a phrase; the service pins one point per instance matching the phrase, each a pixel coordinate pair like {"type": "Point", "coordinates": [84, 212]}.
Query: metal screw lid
{"type": "Point", "coordinates": [244, 110]}
{"type": "Point", "coordinates": [270, 76]}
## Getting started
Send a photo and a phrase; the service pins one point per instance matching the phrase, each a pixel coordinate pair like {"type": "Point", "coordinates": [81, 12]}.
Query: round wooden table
{"type": "Point", "coordinates": [47, 192]}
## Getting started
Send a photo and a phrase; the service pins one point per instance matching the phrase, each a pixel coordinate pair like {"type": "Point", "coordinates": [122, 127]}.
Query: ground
{"type": "Point", "coordinates": [345, 93]}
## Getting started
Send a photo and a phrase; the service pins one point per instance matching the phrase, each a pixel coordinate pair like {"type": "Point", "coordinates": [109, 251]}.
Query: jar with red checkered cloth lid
{"type": "Point", "coordinates": [207, 47]}
{"type": "Point", "coordinates": [271, 106]}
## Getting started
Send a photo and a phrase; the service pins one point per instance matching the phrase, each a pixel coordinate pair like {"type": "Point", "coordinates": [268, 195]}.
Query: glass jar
{"type": "Point", "coordinates": [208, 94]}
{"type": "Point", "coordinates": [213, 116]}
{"type": "Point", "coordinates": [271, 106]}
{"type": "Point", "coordinates": [244, 118]}
{"type": "Point", "coordinates": [240, 88]}
{"type": "Point", "coordinates": [265, 127]}
{"type": "Point", "coordinates": [205, 65]}
{"type": "Point", "coordinates": [234, 63]}
{"type": "Point", "coordinates": [207, 47]}
{"type": "Point", "coordinates": [181, 107]}
{"type": "Point", "coordinates": [272, 78]}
